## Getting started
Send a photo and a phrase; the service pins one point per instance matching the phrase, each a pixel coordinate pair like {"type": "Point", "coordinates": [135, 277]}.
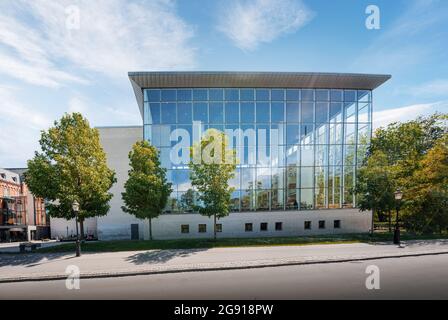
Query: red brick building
{"type": "Point", "coordinates": [22, 216]}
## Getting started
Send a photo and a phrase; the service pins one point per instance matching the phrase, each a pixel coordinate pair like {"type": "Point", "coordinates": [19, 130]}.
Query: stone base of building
{"type": "Point", "coordinates": [293, 223]}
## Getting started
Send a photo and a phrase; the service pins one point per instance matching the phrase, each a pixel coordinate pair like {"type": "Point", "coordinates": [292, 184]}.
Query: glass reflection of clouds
{"type": "Point", "coordinates": [298, 148]}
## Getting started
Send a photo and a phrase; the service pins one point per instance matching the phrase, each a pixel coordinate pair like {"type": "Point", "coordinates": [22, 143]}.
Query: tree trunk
{"type": "Point", "coordinates": [390, 221]}
{"type": "Point", "coordinates": [214, 227]}
{"type": "Point", "coordinates": [150, 229]}
{"type": "Point", "coordinates": [81, 228]}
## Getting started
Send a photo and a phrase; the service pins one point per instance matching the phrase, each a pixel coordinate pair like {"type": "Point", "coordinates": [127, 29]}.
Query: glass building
{"type": "Point", "coordinates": [299, 137]}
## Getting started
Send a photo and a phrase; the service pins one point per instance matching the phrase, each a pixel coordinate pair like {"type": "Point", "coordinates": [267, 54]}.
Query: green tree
{"type": "Point", "coordinates": [394, 160]}
{"type": "Point", "coordinates": [427, 207]}
{"type": "Point", "coordinates": [146, 190]}
{"type": "Point", "coordinates": [212, 166]}
{"type": "Point", "coordinates": [375, 187]}
{"type": "Point", "coordinates": [71, 166]}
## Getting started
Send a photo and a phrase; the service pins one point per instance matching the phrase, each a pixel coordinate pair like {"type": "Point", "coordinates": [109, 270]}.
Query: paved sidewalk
{"type": "Point", "coordinates": [33, 267]}
{"type": "Point", "coordinates": [13, 247]}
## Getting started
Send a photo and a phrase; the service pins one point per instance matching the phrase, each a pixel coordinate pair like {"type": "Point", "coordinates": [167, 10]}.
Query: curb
{"type": "Point", "coordinates": [99, 275]}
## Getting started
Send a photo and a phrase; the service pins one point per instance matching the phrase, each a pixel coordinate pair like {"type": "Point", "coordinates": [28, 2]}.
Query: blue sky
{"type": "Point", "coordinates": [51, 64]}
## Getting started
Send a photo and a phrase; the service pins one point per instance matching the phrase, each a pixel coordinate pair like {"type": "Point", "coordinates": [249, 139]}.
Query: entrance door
{"type": "Point", "coordinates": [134, 232]}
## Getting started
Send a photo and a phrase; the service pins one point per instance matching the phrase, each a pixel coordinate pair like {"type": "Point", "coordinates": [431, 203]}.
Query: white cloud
{"type": "Point", "coordinates": [20, 129]}
{"type": "Point", "coordinates": [407, 113]}
{"type": "Point", "coordinates": [250, 23]}
{"type": "Point", "coordinates": [437, 87]}
{"type": "Point", "coordinates": [115, 36]}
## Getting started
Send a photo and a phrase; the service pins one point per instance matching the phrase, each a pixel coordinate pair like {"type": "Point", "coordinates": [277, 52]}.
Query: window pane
{"type": "Point", "coordinates": [364, 95]}
{"type": "Point", "coordinates": [263, 112]}
{"type": "Point", "coordinates": [307, 155]}
{"type": "Point", "coordinates": [363, 112]}
{"type": "Point", "coordinates": [278, 199]}
{"type": "Point", "coordinates": [152, 113]}
{"type": "Point", "coordinates": [350, 133]}
{"type": "Point", "coordinates": [278, 112]}
{"type": "Point", "coordinates": [248, 179]}
{"type": "Point", "coordinates": [306, 199]}
{"type": "Point", "coordinates": [348, 186]}
{"type": "Point", "coordinates": [322, 95]}
{"type": "Point", "coordinates": [306, 134]}
{"type": "Point", "coordinates": [321, 112]}
{"type": "Point", "coordinates": [336, 112]}
{"type": "Point", "coordinates": [349, 95]}
{"type": "Point", "coordinates": [307, 95]}
{"type": "Point", "coordinates": [293, 177]}
{"type": "Point", "coordinates": [169, 95]}
{"type": "Point", "coordinates": [200, 112]}
{"type": "Point", "coordinates": [292, 112]}
{"type": "Point", "coordinates": [350, 112]}
{"type": "Point", "coordinates": [152, 95]}
{"type": "Point", "coordinates": [335, 155]}
{"type": "Point", "coordinates": [184, 112]}
{"type": "Point", "coordinates": [307, 112]}
{"type": "Point", "coordinates": [336, 95]}
{"type": "Point", "coordinates": [334, 186]}
{"type": "Point", "coordinates": [336, 133]}
{"type": "Point", "coordinates": [278, 95]}
{"type": "Point", "coordinates": [292, 155]}
{"type": "Point", "coordinates": [200, 94]}
{"type": "Point", "coordinates": [363, 133]}
{"type": "Point", "coordinates": [349, 155]}
{"type": "Point", "coordinates": [247, 112]}
{"type": "Point", "coordinates": [235, 201]}
{"type": "Point", "coordinates": [263, 200]}
{"type": "Point", "coordinates": [292, 134]}
{"type": "Point", "coordinates": [262, 94]}
{"type": "Point", "coordinates": [181, 180]}
{"type": "Point", "coordinates": [293, 196]}
{"type": "Point", "coordinates": [247, 95]}
{"type": "Point", "coordinates": [264, 178]}
{"type": "Point", "coordinates": [232, 94]}
{"type": "Point", "coordinates": [232, 112]}
{"type": "Point", "coordinates": [247, 200]}
{"type": "Point", "coordinates": [293, 94]}
{"type": "Point", "coordinates": [168, 113]}
{"type": "Point", "coordinates": [216, 94]}
{"type": "Point", "coordinates": [184, 95]}
{"type": "Point", "coordinates": [306, 177]}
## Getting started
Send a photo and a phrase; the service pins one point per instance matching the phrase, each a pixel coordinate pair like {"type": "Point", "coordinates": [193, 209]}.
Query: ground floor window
{"type": "Point", "coordinates": [278, 226]}
{"type": "Point", "coordinates": [337, 224]}
{"type": "Point", "coordinates": [264, 226]}
{"type": "Point", "coordinates": [248, 227]}
{"type": "Point", "coordinates": [322, 224]}
{"type": "Point", "coordinates": [307, 225]}
{"type": "Point", "coordinates": [218, 227]}
{"type": "Point", "coordinates": [185, 228]}
{"type": "Point", "coordinates": [202, 228]}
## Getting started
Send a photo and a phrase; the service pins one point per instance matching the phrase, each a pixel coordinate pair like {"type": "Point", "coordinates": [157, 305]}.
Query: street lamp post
{"type": "Point", "coordinates": [75, 208]}
{"type": "Point", "coordinates": [398, 196]}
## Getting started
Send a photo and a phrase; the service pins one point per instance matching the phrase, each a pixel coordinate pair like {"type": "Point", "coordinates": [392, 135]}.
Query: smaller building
{"type": "Point", "coordinates": [22, 216]}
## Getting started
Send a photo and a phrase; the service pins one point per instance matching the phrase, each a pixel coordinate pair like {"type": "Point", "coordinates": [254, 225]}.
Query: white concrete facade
{"type": "Point", "coordinates": [293, 224]}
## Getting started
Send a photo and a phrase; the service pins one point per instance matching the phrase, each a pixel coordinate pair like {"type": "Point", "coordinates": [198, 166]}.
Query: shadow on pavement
{"type": "Point", "coordinates": [161, 256]}
{"type": "Point", "coordinates": [30, 260]}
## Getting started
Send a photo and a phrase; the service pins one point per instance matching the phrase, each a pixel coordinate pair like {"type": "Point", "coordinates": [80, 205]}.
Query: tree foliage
{"type": "Point", "coordinates": [212, 166]}
{"type": "Point", "coordinates": [146, 190]}
{"type": "Point", "coordinates": [411, 156]}
{"type": "Point", "coordinates": [71, 166]}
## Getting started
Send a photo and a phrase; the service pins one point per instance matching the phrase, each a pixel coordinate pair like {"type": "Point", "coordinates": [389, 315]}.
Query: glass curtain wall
{"type": "Point", "coordinates": [299, 149]}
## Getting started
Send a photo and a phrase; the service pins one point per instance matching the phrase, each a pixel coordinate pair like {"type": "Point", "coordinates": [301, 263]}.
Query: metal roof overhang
{"type": "Point", "coordinates": [198, 79]}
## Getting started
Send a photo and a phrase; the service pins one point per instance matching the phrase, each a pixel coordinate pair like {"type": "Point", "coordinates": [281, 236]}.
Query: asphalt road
{"type": "Point", "coordinates": [400, 278]}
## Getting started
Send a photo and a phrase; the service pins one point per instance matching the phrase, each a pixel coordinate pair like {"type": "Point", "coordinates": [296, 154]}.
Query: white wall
{"type": "Point", "coordinates": [58, 227]}
{"type": "Point", "coordinates": [352, 221]}
{"type": "Point", "coordinates": [117, 142]}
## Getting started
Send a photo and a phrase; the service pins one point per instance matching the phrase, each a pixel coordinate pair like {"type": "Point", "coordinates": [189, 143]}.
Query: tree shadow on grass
{"type": "Point", "coordinates": [161, 256]}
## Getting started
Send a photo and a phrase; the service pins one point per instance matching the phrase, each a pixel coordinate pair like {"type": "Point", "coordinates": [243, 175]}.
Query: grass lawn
{"type": "Point", "coordinates": [127, 245]}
